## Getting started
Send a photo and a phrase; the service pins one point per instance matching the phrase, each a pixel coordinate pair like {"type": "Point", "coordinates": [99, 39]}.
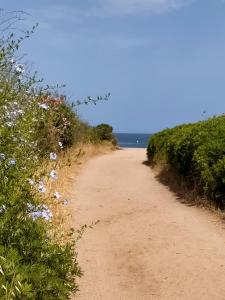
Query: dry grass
{"type": "Point", "coordinates": [185, 193]}
{"type": "Point", "coordinates": [70, 165]}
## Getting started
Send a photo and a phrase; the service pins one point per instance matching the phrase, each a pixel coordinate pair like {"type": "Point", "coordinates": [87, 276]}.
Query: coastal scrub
{"type": "Point", "coordinates": [195, 152]}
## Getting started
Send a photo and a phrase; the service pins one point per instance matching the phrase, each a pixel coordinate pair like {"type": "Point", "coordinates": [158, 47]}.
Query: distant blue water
{"type": "Point", "coordinates": [132, 140]}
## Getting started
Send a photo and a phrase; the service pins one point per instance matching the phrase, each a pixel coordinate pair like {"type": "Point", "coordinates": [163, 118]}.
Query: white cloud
{"type": "Point", "coordinates": [128, 7]}
{"type": "Point", "coordinates": [105, 8]}
{"type": "Point", "coordinates": [59, 21]}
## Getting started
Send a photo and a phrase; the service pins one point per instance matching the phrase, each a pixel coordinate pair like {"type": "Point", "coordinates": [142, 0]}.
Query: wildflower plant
{"type": "Point", "coordinates": [35, 125]}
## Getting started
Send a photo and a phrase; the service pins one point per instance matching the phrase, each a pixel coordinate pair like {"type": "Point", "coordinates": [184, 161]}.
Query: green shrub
{"type": "Point", "coordinates": [104, 132]}
{"type": "Point", "coordinates": [35, 124]}
{"type": "Point", "coordinates": [197, 153]}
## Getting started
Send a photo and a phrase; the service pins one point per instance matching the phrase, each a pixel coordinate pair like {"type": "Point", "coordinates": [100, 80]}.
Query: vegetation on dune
{"type": "Point", "coordinates": [36, 124]}
{"type": "Point", "coordinates": [196, 152]}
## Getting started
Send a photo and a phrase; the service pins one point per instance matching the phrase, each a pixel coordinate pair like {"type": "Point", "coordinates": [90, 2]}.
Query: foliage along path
{"type": "Point", "coordinates": [147, 245]}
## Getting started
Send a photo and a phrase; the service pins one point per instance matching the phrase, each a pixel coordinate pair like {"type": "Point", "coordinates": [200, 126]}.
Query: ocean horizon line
{"type": "Point", "coordinates": [133, 140]}
{"type": "Point", "coordinates": [120, 132]}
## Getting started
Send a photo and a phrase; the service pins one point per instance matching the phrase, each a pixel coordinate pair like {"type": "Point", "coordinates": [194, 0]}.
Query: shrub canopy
{"type": "Point", "coordinates": [196, 152]}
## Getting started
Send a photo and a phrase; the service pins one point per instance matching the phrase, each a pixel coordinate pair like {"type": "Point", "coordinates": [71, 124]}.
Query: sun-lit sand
{"type": "Point", "coordinates": [146, 245]}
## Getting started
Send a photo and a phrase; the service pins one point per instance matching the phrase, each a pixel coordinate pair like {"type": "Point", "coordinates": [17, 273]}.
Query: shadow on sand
{"type": "Point", "coordinates": [184, 192]}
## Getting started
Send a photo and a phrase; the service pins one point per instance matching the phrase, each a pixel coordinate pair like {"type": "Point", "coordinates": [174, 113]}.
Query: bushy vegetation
{"type": "Point", "coordinates": [197, 153]}
{"type": "Point", "coordinates": [36, 124]}
{"type": "Point", "coordinates": [104, 132]}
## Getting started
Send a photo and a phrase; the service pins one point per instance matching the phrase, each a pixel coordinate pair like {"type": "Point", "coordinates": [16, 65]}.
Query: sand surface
{"type": "Point", "coordinates": [147, 245]}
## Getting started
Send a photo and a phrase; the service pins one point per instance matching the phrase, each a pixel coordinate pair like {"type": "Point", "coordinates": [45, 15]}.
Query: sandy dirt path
{"type": "Point", "coordinates": [147, 245]}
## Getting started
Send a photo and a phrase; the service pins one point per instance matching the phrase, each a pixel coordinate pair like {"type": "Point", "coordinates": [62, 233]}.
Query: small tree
{"type": "Point", "coordinates": [105, 133]}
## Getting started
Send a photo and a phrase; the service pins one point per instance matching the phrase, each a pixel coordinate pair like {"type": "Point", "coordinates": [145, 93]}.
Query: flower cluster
{"type": "Point", "coordinates": [11, 111]}
{"type": "Point", "coordinates": [53, 156]}
{"type": "Point", "coordinates": [40, 185]}
{"type": "Point", "coordinates": [19, 68]}
{"type": "Point", "coordinates": [40, 211]}
{"type": "Point", "coordinates": [48, 101]}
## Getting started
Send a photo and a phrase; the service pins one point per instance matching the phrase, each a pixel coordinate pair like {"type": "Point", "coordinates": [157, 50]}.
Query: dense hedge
{"type": "Point", "coordinates": [197, 153]}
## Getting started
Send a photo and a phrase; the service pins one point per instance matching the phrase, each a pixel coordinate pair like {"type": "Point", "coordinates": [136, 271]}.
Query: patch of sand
{"type": "Point", "coordinates": [146, 245]}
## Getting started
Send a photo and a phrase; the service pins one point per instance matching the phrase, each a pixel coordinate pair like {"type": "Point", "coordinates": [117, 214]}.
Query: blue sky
{"type": "Point", "coordinates": [162, 60]}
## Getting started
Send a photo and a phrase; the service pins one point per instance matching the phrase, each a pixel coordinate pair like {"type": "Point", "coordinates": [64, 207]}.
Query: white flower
{"type": "Point", "coordinates": [41, 211]}
{"type": "Point", "coordinates": [31, 181]}
{"type": "Point", "coordinates": [19, 69]}
{"type": "Point", "coordinates": [12, 162]}
{"type": "Point", "coordinates": [2, 208]}
{"type": "Point", "coordinates": [41, 187]}
{"type": "Point", "coordinates": [19, 112]}
{"type": "Point", "coordinates": [53, 175]}
{"type": "Point", "coordinates": [8, 124]}
{"type": "Point", "coordinates": [35, 215]}
{"type": "Point", "coordinates": [46, 213]}
{"type": "Point", "coordinates": [65, 202]}
{"type": "Point", "coordinates": [53, 156]}
{"type": "Point", "coordinates": [2, 156]}
{"type": "Point", "coordinates": [57, 195]}
{"type": "Point", "coordinates": [43, 105]}
{"type": "Point", "coordinates": [30, 206]}
{"type": "Point", "coordinates": [60, 145]}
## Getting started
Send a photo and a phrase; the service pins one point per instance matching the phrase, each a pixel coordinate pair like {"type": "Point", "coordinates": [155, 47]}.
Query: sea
{"type": "Point", "coordinates": [132, 140]}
